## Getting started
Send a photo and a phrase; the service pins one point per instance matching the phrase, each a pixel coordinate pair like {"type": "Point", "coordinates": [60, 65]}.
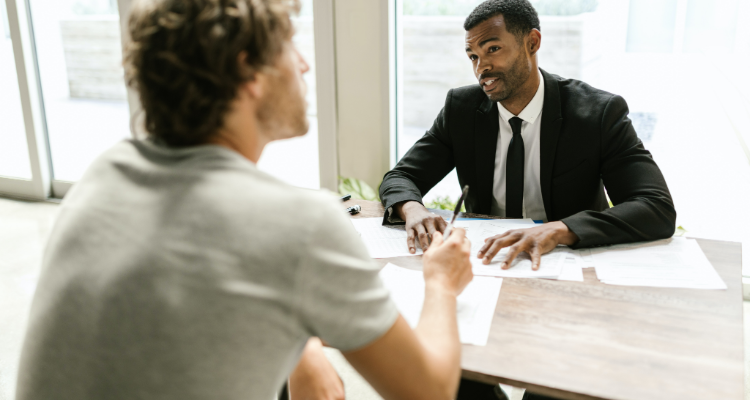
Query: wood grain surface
{"type": "Point", "coordinates": [589, 340]}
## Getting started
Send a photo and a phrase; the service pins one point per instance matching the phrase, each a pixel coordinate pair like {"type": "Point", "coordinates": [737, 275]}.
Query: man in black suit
{"type": "Point", "coordinates": [531, 145]}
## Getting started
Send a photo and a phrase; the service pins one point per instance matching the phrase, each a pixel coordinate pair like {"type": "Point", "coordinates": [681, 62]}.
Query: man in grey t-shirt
{"type": "Point", "coordinates": [177, 270]}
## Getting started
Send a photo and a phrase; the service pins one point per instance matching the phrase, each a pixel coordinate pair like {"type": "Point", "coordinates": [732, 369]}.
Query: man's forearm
{"type": "Point", "coordinates": [437, 330]}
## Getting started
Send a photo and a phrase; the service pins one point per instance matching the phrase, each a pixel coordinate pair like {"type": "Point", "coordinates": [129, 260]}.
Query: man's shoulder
{"type": "Point", "coordinates": [470, 96]}
{"type": "Point", "coordinates": [576, 92]}
{"type": "Point", "coordinates": [268, 199]}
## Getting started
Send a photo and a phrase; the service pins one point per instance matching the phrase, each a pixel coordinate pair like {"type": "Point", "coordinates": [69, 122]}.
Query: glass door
{"type": "Point", "coordinates": [79, 52]}
{"type": "Point", "coordinates": [23, 157]}
{"type": "Point", "coordinates": [14, 158]}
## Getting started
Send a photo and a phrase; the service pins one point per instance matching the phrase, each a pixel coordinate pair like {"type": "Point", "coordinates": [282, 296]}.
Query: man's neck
{"type": "Point", "coordinates": [250, 147]}
{"type": "Point", "coordinates": [241, 131]}
{"type": "Point", "coordinates": [522, 97]}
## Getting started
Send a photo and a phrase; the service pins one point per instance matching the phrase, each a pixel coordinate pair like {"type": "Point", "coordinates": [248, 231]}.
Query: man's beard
{"type": "Point", "coordinates": [283, 112]}
{"type": "Point", "coordinates": [511, 80]}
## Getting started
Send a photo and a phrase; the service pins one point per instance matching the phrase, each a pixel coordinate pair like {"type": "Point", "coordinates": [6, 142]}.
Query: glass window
{"type": "Point", "coordinates": [651, 25]}
{"type": "Point", "coordinates": [431, 61]}
{"type": "Point", "coordinates": [678, 63]}
{"type": "Point", "coordinates": [14, 154]}
{"type": "Point", "coordinates": [80, 64]}
{"type": "Point", "coordinates": [295, 161]}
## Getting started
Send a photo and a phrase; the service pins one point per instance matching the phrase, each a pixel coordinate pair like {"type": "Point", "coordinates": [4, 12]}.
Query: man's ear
{"type": "Point", "coordinates": [533, 41]}
{"type": "Point", "coordinates": [253, 86]}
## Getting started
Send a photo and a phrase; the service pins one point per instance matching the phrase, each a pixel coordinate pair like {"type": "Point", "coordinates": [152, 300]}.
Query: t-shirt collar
{"type": "Point", "coordinates": [532, 111]}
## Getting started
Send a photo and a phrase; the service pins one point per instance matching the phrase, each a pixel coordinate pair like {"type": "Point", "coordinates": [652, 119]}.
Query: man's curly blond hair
{"type": "Point", "coordinates": [183, 59]}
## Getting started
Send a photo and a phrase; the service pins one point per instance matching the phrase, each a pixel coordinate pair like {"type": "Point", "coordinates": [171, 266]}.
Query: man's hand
{"type": "Point", "coordinates": [420, 223]}
{"type": "Point", "coordinates": [446, 263]}
{"type": "Point", "coordinates": [534, 241]}
{"type": "Point", "coordinates": [314, 377]}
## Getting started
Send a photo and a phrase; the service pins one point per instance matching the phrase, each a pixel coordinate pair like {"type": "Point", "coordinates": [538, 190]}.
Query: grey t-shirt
{"type": "Point", "coordinates": [190, 274]}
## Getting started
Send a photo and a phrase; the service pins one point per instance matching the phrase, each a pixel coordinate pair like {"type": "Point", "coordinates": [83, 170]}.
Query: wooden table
{"type": "Point", "coordinates": [589, 340]}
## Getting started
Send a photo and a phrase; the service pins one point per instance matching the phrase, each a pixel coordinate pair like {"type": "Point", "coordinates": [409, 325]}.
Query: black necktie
{"type": "Point", "coordinates": [514, 172]}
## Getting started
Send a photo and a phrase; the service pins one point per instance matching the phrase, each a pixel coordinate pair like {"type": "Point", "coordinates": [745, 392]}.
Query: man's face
{"type": "Point", "coordinates": [501, 64]}
{"type": "Point", "coordinates": [283, 109]}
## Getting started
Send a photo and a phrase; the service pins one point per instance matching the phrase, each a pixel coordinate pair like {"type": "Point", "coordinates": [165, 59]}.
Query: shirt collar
{"type": "Point", "coordinates": [532, 111]}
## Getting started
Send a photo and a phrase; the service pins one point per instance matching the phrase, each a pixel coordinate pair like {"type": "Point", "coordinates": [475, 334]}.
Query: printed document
{"type": "Point", "coordinates": [475, 306]}
{"type": "Point", "coordinates": [390, 241]}
{"type": "Point", "coordinates": [571, 270]}
{"type": "Point", "coordinates": [676, 262]}
{"type": "Point", "coordinates": [383, 241]}
{"type": "Point", "coordinates": [583, 257]}
{"type": "Point", "coordinates": [552, 264]}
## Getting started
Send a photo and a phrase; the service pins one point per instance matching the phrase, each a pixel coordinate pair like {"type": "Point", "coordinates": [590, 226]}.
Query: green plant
{"type": "Point", "coordinates": [680, 231]}
{"type": "Point", "coordinates": [444, 203]}
{"type": "Point", "coordinates": [357, 188]}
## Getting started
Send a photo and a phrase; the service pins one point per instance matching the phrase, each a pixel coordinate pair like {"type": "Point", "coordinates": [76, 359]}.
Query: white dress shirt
{"type": "Point", "coordinates": [533, 206]}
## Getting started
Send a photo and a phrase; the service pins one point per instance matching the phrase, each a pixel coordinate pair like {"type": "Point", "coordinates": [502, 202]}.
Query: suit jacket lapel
{"type": "Point", "coordinates": [550, 132]}
{"type": "Point", "coordinates": [486, 127]}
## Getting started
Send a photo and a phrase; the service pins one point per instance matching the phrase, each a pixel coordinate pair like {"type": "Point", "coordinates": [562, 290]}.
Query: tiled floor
{"type": "Point", "coordinates": [24, 227]}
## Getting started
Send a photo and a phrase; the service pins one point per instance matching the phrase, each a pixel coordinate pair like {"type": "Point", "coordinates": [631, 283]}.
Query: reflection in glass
{"type": "Point", "coordinates": [14, 153]}
{"type": "Point", "coordinates": [80, 63]}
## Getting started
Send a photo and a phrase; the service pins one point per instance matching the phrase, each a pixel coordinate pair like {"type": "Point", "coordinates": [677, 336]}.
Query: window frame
{"type": "Point", "coordinates": [27, 72]}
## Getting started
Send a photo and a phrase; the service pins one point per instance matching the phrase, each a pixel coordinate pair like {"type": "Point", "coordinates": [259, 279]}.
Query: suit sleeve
{"type": "Point", "coordinates": [643, 208]}
{"type": "Point", "coordinates": [422, 167]}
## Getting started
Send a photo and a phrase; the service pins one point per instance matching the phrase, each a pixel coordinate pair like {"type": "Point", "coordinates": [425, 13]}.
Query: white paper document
{"type": "Point", "coordinates": [383, 241]}
{"type": "Point", "coordinates": [675, 262]}
{"type": "Point", "coordinates": [390, 241]}
{"type": "Point", "coordinates": [551, 265]}
{"type": "Point", "coordinates": [583, 257]}
{"type": "Point", "coordinates": [475, 306]}
{"type": "Point", "coordinates": [571, 270]}
{"type": "Point", "coordinates": [479, 230]}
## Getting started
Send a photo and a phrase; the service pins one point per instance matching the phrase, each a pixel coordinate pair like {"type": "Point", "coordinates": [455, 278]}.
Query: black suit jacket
{"type": "Point", "coordinates": [587, 143]}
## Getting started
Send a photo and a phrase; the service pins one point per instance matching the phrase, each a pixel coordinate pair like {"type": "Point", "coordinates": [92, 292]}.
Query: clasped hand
{"type": "Point", "coordinates": [422, 224]}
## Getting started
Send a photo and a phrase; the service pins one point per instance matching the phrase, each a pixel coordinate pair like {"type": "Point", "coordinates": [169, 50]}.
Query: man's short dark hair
{"type": "Point", "coordinates": [519, 15]}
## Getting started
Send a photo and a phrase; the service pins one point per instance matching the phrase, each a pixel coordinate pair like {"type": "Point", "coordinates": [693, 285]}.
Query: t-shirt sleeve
{"type": "Point", "coordinates": [342, 299]}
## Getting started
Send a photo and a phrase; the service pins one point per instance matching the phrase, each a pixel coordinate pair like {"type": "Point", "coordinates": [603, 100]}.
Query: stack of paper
{"type": "Point", "coordinates": [475, 306]}
{"type": "Point", "coordinates": [676, 262]}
